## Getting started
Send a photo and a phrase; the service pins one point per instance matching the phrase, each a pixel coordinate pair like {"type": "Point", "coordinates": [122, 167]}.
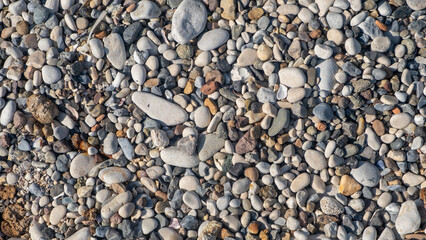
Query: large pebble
{"type": "Point", "coordinates": [367, 174]}
{"type": "Point", "coordinates": [331, 206]}
{"type": "Point", "coordinates": [279, 122]}
{"type": "Point", "coordinates": [247, 57]}
{"type": "Point", "coordinates": [213, 39]}
{"type": "Point", "coordinates": [326, 71]}
{"type": "Point", "coordinates": [57, 214]}
{"type": "Point", "coordinates": [188, 21]}
{"type": "Point", "coordinates": [50, 74]}
{"type": "Point", "coordinates": [300, 182]}
{"type": "Point", "coordinates": [159, 108]}
{"type": "Point", "coordinates": [166, 233]}
{"type": "Point", "coordinates": [113, 175]}
{"type": "Point", "coordinates": [7, 113]}
{"type": "Point", "coordinates": [202, 117]}
{"type": "Point", "coordinates": [400, 120]}
{"type": "Point", "coordinates": [145, 10]}
{"type": "Point", "coordinates": [292, 77]}
{"type": "Point", "coordinates": [81, 165]}
{"type": "Point", "coordinates": [192, 200]}
{"type": "Point", "coordinates": [208, 145]}
{"type": "Point", "coordinates": [416, 4]}
{"type": "Point", "coordinates": [97, 48]}
{"type": "Point", "coordinates": [176, 157]}
{"type": "Point", "coordinates": [315, 159]}
{"type": "Point", "coordinates": [116, 52]}
{"type": "Point", "coordinates": [408, 219]}
{"type": "Point", "coordinates": [352, 46]}
{"type": "Point", "coordinates": [138, 72]}
{"type": "Point", "coordinates": [323, 112]}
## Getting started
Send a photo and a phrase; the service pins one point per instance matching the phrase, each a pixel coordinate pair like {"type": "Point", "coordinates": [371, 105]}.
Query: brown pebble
{"type": "Point", "coordinates": [255, 13]}
{"type": "Point", "coordinates": [252, 173]}
{"type": "Point", "coordinates": [253, 227]}
{"type": "Point", "coordinates": [348, 185]}
{"type": "Point", "coordinates": [209, 87]}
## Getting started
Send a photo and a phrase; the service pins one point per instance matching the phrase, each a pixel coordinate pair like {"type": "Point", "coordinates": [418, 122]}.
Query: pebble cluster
{"type": "Point", "coordinates": [212, 119]}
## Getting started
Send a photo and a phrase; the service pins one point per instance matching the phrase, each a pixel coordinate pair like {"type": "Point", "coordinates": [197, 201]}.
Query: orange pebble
{"type": "Point", "coordinates": [321, 126]}
{"type": "Point", "coordinates": [381, 25]}
{"type": "Point", "coordinates": [101, 35]}
{"type": "Point", "coordinates": [396, 110]}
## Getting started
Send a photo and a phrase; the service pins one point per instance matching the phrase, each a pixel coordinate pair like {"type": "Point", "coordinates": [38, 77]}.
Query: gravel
{"type": "Point", "coordinates": [186, 119]}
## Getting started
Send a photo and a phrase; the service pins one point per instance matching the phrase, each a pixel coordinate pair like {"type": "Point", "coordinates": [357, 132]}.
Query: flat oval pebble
{"type": "Point", "coordinates": [208, 145]}
{"type": "Point", "coordinates": [159, 108]}
{"type": "Point", "coordinates": [7, 113]}
{"type": "Point", "coordinates": [57, 214]}
{"type": "Point", "coordinates": [213, 39]}
{"type": "Point", "coordinates": [50, 74]}
{"type": "Point", "coordinates": [113, 175]}
{"type": "Point", "coordinates": [145, 10]}
{"type": "Point", "coordinates": [81, 165]}
{"type": "Point", "coordinates": [292, 77]}
{"type": "Point", "coordinates": [323, 112]}
{"type": "Point", "coordinates": [400, 120]}
{"type": "Point", "coordinates": [97, 47]}
{"type": "Point", "coordinates": [326, 71]}
{"type": "Point", "coordinates": [116, 52]}
{"type": "Point", "coordinates": [315, 159]}
{"type": "Point", "coordinates": [367, 174]}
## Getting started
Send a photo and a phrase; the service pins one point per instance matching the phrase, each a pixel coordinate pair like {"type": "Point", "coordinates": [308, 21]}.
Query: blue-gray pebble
{"type": "Point", "coordinates": [323, 112]}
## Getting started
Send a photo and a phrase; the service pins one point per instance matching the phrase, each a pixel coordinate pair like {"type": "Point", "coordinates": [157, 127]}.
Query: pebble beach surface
{"type": "Point", "coordinates": [213, 119]}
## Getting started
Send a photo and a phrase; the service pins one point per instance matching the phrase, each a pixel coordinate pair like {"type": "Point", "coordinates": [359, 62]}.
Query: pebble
{"type": "Point", "coordinates": [159, 108]}
{"type": "Point", "coordinates": [202, 117]}
{"type": "Point", "coordinates": [326, 71]}
{"type": "Point", "coordinates": [352, 46]}
{"type": "Point", "coordinates": [408, 219]}
{"type": "Point", "coordinates": [115, 50]}
{"type": "Point", "coordinates": [145, 10]}
{"type": "Point", "coordinates": [400, 120]}
{"type": "Point", "coordinates": [115, 204]}
{"type": "Point", "coordinates": [189, 13]}
{"type": "Point", "coordinates": [247, 57]}
{"type": "Point", "coordinates": [323, 51]}
{"type": "Point", "coordinates": [323, 112]}
{"type": "Point", "coordinates": [208, 145]}
{"type": "Point", "coordinates": [300, 182]}
{"type": "Point", "coordinates": [97, 48]}
{"type": "Point", "coordinates": [366, 174]}
{"type": "Point", "coordinates": [81, 165]}
{"type": "Point", "coordinates": [113, 175]}
{"type": "Point", "coordinates": [57, 214]}
{"type": "Point", "coordinates": [380, 44]}
{"type": "Point", "coordinates": [50, 74]}
{"type": "Point", "coordinates": [213, 39]}
{"type": "Point", "coordinates": [7, 113]}
{"type": "Point", "coordinates": [168, 233]}
{"type": "Point", "coordinates": [82, 234]}
{"type": "Point", "coordinates": [279, 122]}
{"type": "Point", "coordinates": [176, 157]}
{"type": "Point", "coordinates": [149, 225]}
{"type": "Point", "coordinates": [183, 119]}
{"type": "Point", "coordinates": [192, 200]}
{"type": "Point", "coordinates": [331, 206]}
{"type": "Point", "coordinates": [292, 77]}
{"type": "Point", "coordinates": [348, 185]}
